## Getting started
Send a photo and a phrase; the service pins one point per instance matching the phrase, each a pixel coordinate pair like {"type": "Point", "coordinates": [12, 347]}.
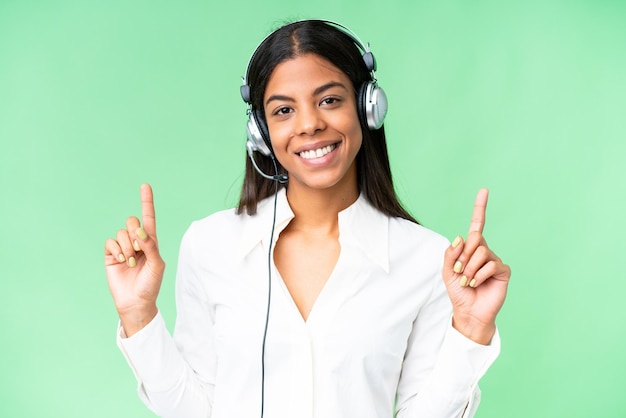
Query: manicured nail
{"type": "Point", "coordinates": [136, 246]}
{"type": "Point", "coordinates": [121, 257]}
{"type": "Point", "coordinates": [473, 283]}
{"type": "Point", "coordinates": [131, 262]}
{"type": "Point", "coordinates": [456, 242]}
{"type": "Point", "coordinates": [142, 234]}
{"type": "Point", "coordinates": [463, 281]}
{"type": "Point", "coordinates": [458, 266]}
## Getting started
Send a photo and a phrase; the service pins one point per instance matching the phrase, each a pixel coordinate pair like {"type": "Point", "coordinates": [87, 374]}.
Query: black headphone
{"type": "Point", "coordinates": [371, 100]}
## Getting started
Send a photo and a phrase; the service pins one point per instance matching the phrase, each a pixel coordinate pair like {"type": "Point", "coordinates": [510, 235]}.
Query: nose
{"type": "Point", "coordinates": [310, 121]}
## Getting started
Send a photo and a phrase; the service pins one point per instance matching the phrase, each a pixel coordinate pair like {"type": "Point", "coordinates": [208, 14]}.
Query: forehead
{"type": "Point", "coordinates": [304, 71]}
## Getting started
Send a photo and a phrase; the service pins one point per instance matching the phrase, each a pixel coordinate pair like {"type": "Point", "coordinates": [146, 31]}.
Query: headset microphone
{"type": "Point", "coordinates": [281, 178]}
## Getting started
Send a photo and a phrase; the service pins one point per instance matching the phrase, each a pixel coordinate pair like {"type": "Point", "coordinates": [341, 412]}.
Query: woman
{"type": "Point", "coordinates": [371, 315]}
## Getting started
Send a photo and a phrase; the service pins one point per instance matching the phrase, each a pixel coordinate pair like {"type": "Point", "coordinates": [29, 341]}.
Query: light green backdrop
{"type": "Point", "coordinates": [527, 98]}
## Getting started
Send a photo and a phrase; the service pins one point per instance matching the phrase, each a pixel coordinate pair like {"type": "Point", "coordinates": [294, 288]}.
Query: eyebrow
{"type": "Point", "coordinates": [317, 91]}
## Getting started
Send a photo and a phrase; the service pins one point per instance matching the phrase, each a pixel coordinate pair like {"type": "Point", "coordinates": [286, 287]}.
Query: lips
{"type": "Point", "coordinates": [317, 153]}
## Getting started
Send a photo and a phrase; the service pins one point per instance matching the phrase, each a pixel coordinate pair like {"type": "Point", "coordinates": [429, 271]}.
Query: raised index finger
{"type": "Point", "coordinates": [480, 209]}
{"type": "Point", "coordinates": [147, 210]}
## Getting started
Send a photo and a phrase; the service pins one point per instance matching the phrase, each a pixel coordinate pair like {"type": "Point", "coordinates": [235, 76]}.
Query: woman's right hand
{"type": "Point", "coordinates": [134, 267]}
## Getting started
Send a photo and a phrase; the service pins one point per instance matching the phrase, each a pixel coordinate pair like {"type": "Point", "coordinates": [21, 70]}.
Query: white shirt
{"type": "Point", "coordinates": [378, 335]}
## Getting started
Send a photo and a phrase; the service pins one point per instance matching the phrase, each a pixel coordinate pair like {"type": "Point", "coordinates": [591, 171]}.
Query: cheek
{"type": "Point", "coordinates": [348, 122]}
{"type": "Point", "coordinates": [355, 131]}
{"type": "Point", "coordinates": [278, 134]}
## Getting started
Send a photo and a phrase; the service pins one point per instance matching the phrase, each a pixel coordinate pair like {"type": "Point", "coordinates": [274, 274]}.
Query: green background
{"type": "Point", "coordinates": [526, 98]}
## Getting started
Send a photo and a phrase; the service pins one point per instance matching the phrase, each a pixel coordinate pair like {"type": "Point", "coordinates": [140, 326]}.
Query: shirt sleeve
{"type": "Point", "coordinates": [442, 367]}
{"type": "Point", "coordinates": [174, 375]}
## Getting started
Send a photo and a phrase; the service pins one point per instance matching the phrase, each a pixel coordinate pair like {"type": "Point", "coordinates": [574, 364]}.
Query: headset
{"type": "Point", "coordinates": [371, 103]}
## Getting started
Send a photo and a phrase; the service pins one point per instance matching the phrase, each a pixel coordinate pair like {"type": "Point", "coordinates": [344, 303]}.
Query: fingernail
{"type": "Point", "coordinates": [142, 234]}
{"type": "Point", "coordinates": [456, 242]}
{"type": "Point", "coordinates": [132, 262]}
{"type": "Point", "coordinates": [121, 257]}
{"type": "Point", "coordinates": [136, 246]}
{"type": "Point", "coordinates": [463, 281]}
{"type": "Point", "coordinates": [458, 266]}
{"type": "Point", "coordinates": [473, 283]}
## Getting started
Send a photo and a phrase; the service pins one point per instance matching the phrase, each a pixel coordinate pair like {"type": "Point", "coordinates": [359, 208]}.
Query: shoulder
{"type": "Point", "coordinates": [226, 231]}
{"type": "Point", "coordinates": [404, 229]}
{"type": "Point", "coordinates": [408, 239]}
{"type": "Point", "coordinates": [404, 238]}
{"type": "Point", "coordinates": [221, 229]}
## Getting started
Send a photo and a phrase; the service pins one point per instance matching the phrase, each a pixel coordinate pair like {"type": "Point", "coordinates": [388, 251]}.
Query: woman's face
{"type": "Point", "coordinates": [311, 115]}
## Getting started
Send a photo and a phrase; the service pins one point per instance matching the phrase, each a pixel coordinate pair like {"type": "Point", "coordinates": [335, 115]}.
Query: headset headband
{"type": "Point", "coordinates": [368, 57]}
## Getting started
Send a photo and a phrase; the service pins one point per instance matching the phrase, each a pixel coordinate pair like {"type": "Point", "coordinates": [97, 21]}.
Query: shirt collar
{"type": "Point", "coordinates": [258, 228]}
{"type": "Point", "coordinates": [367, 228]}
{"type": "Point", "coordinates": [360, 225]}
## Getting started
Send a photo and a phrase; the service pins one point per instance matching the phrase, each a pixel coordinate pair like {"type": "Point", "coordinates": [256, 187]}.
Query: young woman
{"type": "Point", "coordinates": [319, 296]}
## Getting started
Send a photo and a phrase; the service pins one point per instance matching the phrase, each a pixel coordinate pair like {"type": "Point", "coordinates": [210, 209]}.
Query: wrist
{"type": "Point", "coordinates": [134, 320]}
{"type": "Point", "coordinates": [477, 331]}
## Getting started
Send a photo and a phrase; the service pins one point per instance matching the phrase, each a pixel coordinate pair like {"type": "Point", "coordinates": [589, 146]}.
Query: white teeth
{"type": "Point", "coordinates": [317, 153]}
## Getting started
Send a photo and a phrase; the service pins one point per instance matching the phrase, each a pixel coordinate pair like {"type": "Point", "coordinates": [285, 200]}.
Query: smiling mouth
{"type": "Point", "coordinates": [317, 153]}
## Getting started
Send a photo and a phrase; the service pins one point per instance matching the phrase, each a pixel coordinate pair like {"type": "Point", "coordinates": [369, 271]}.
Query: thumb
{"type": "Point", "coordinates": [451, 256]}
{"type": "Point", "coordinates": [149, 247]}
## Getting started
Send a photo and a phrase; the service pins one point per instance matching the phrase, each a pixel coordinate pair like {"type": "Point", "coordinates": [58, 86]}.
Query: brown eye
{"type": "Point", "coordinates": [282, 111]}
{"type": "Point", "coordinates": [330, 101]}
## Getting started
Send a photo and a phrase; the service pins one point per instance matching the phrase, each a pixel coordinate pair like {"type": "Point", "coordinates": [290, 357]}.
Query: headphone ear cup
{"type": "Point", "coordinates": [372, 105]}
{"type": "Point", "coordinates": [258, 134]}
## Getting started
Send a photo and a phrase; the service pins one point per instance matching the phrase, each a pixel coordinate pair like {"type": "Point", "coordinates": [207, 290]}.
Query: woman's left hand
{"type": "Point", "coordinates": [476, 279]}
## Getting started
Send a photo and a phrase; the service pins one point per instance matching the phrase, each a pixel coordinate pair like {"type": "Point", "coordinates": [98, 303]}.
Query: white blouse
{"type": "Point", "coordinates": [377, 343]}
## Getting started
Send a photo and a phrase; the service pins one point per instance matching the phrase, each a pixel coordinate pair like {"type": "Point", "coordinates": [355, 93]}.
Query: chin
{"type": "Point", "coordinates": [326, 182]}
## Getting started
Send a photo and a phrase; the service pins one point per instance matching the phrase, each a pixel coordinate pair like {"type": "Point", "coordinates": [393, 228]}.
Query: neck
{"type": "Point", "coordinates": [318, 209]}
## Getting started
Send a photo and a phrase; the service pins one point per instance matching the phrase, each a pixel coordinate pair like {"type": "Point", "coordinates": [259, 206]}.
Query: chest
{"type": "Point", "coordinates": [355, 335]}
{"type": "Point", "coordinates": [357, 309]}
{"type": "Point", "coordinates": [305, 264]}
